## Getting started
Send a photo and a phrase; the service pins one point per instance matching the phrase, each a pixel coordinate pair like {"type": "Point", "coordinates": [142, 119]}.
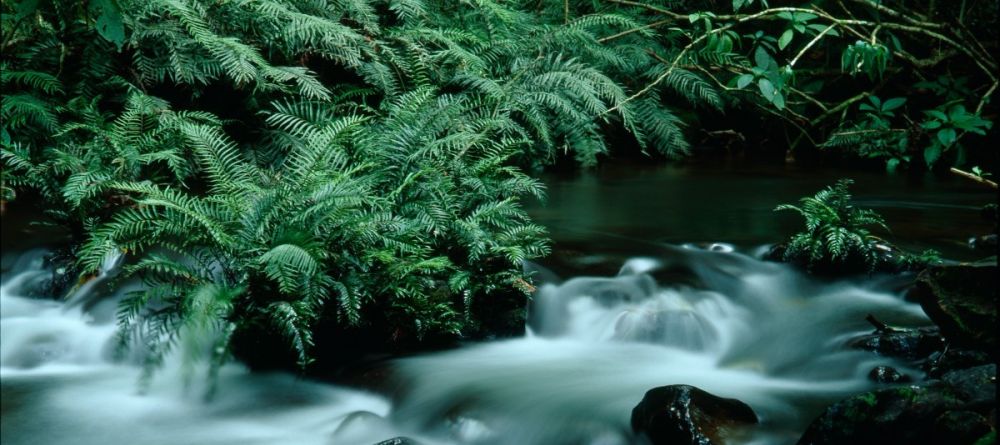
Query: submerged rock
{"type": "Point", "coordinates": [679, 328]}
{"type": "Point", "coordinates": [913, 344]}
{"type": "Point", "coordinates": [961, 300]}
{"type": "Point", "coordinates": [984, 243]}
{"type": "Point", "coordinates": [951, 359]}
{"type": "Point", "coordinates": [683, 414]}
{"type": "Point", "coordinates": [887, 374]}
{"type": "Point", "coordinates": [358, 424]}
{"type": "Point", "coordinates": [398, 441]}
{"type": "Point", "coordinates": [953, 410]}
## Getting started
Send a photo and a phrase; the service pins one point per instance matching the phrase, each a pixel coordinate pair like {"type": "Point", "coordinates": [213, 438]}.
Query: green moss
{"type": "Point", "coordinates": [989, 439]}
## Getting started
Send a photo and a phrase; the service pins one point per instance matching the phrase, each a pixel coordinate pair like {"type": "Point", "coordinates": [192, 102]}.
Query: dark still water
{"type": "Point", "coordinates": [618, 207]}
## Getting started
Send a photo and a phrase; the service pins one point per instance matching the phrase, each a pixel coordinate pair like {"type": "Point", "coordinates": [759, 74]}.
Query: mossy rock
{"type": "Point", "coordinates": [961, 300]}
{"type": "Point", "coordinates": [954, 410]}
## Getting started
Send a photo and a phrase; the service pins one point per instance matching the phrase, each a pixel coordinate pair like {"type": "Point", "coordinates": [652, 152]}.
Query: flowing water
{"type": "Point", "coordinates": [649, 314]}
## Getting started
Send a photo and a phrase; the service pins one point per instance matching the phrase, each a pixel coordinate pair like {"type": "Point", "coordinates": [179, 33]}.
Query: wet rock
{"type": "Point", "coordinates": [900, 415]}
{"type": "Point", "coordinates": [502, 316]}
{"type": "Point", "coordinates": [612, 291]}
{"type": "Point", "coordinates": [359, 423]}
{"type": "Point", "coordinates": [954, 410]}
{"type": "Point", "coordinates": [910, 344]}
{"type": "Point", "coordinates": [679, 328]}
{"type": "Point", "coordinates": [469, 429]}
{"type": "Point", "coordinates": [951, 359]}
{"type": "Point", "coordinates": [683, 414]}
{"type": "Point", "coordinates": [976, 386]}
{"type": "Point", "coordinates": [887, 374]}
{"type": "Point", "coordinates": [960, 427]}
{"type": "Point", "coordinates": [398, 441]}
{"type": "Point", "coordinates": [960, 299]}
{"type": "Point", "coordinates": [984, 243]}
{"type": "Point", "coordinates": [776, 252]}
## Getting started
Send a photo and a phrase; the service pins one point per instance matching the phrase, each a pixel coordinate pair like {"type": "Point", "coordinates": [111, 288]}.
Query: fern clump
{"type": "Point", "coordinates": [836, 233]}
{"type": "Point", "coordinates": [352, 224]}
{"type": "Point", "coordinates": [837, 237]}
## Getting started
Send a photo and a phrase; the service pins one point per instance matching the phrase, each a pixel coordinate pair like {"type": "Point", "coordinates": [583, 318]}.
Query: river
{"type": "Point", "coordinates": [655, 280]}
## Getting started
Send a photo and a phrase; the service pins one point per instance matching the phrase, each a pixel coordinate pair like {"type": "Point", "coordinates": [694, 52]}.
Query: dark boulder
{"type": "Point", "coordinates": [952, 358]}
{"type": "Point", "coordinates": [975, 386]}
{"type": "Point", "coordinates": [961, 300]}
{"type": "Point", "coordinates": [887, 374]}
{"type": "Point", "coordinates": [953, 410]}
{"type": "Point", "coordinates": [960, 427]}
{"type": "Point", "coordinates": [912, 344]}
{"type": "Point", "coordinates": [984, 243]}
{"type": "Point", "coordinates": [683, 414]}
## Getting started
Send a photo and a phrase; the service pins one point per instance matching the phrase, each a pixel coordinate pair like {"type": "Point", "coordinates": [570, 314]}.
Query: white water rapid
{"type": "Point", "coordinates": [716, 319]}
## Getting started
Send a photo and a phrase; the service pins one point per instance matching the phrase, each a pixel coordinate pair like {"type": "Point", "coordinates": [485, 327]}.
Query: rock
{"type": "Point", "coordinates": [984, 243]}
{"type": "Point", "coordinates": [470, 430]}
{"type": "Point", "coordinates": [683, 414]}
{"type": "Point", "coordinates": [680, 328]}
{"type": "Point", "coordinates": [954, 410]}
{"type": "Point", "coordinates": [776, 253]}
{"type": "Point", "coordinates": [501, 316]}
{"type": "Point", "coordinates": [913, 344]}
{"type": "Point", "coordinates": [951, 359]}
{"type": "Point", "coordinates": [359, 424]}
{"type": "Point", "coordinates": [976, 386]}
{"type": "Point", "coordinates": [398, 441]}
{"type": "Point", "coordinates": [900, 415]}
{"type": "Point", "coordinates": [960, 299]}
{"type": "Point", "coordinates": [887, 374]}
{"type": "Point", "coordinates": [960, 427]}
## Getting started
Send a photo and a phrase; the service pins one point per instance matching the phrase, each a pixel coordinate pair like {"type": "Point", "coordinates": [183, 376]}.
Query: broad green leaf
{"type": "Point", "coordinates": [818, 27]}
{"type": "Point", "coordinates": [109, 21]}
{"type": "Point", "coordinates": [744, 80]}
{"type": "Point", "coordinates": [893, 103]}
{"type": "Point", "coordinates": [725, 45]}
{"type": "Point", "coordinates": [946, 136]}
{"type": "Point", "coordinates": [891, 165]}
{"type": "Point", "coordinates": [937, 114]}
{"type": "Point", "coordinates": [786, 38]}
{"type": "Point", "coordinates": [26, 8]}
{"type": "Point", "coordinates": [931, 154]}
{"type": "Point", "coordinates": [778, 100]}
{"type": "Point", "coordinates": [766, 88]}
{"type": "Point", "coordinates": [762, 58]}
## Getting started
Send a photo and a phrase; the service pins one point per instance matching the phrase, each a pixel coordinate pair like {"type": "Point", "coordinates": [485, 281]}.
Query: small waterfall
{"type": "Point", "coordinates": [705, 316]}
{"type": "Point", "coordinates": [735, 326]}
{"type": "Point", "coordinates": [61, 384]}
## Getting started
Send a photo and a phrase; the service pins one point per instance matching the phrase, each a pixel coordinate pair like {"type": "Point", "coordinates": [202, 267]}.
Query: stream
{"type": "Point", "coordinates": [655, 280]}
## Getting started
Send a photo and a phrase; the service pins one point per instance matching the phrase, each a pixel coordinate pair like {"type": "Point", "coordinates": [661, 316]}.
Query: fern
{"type": "Point", "coordinates": [836, 232]}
